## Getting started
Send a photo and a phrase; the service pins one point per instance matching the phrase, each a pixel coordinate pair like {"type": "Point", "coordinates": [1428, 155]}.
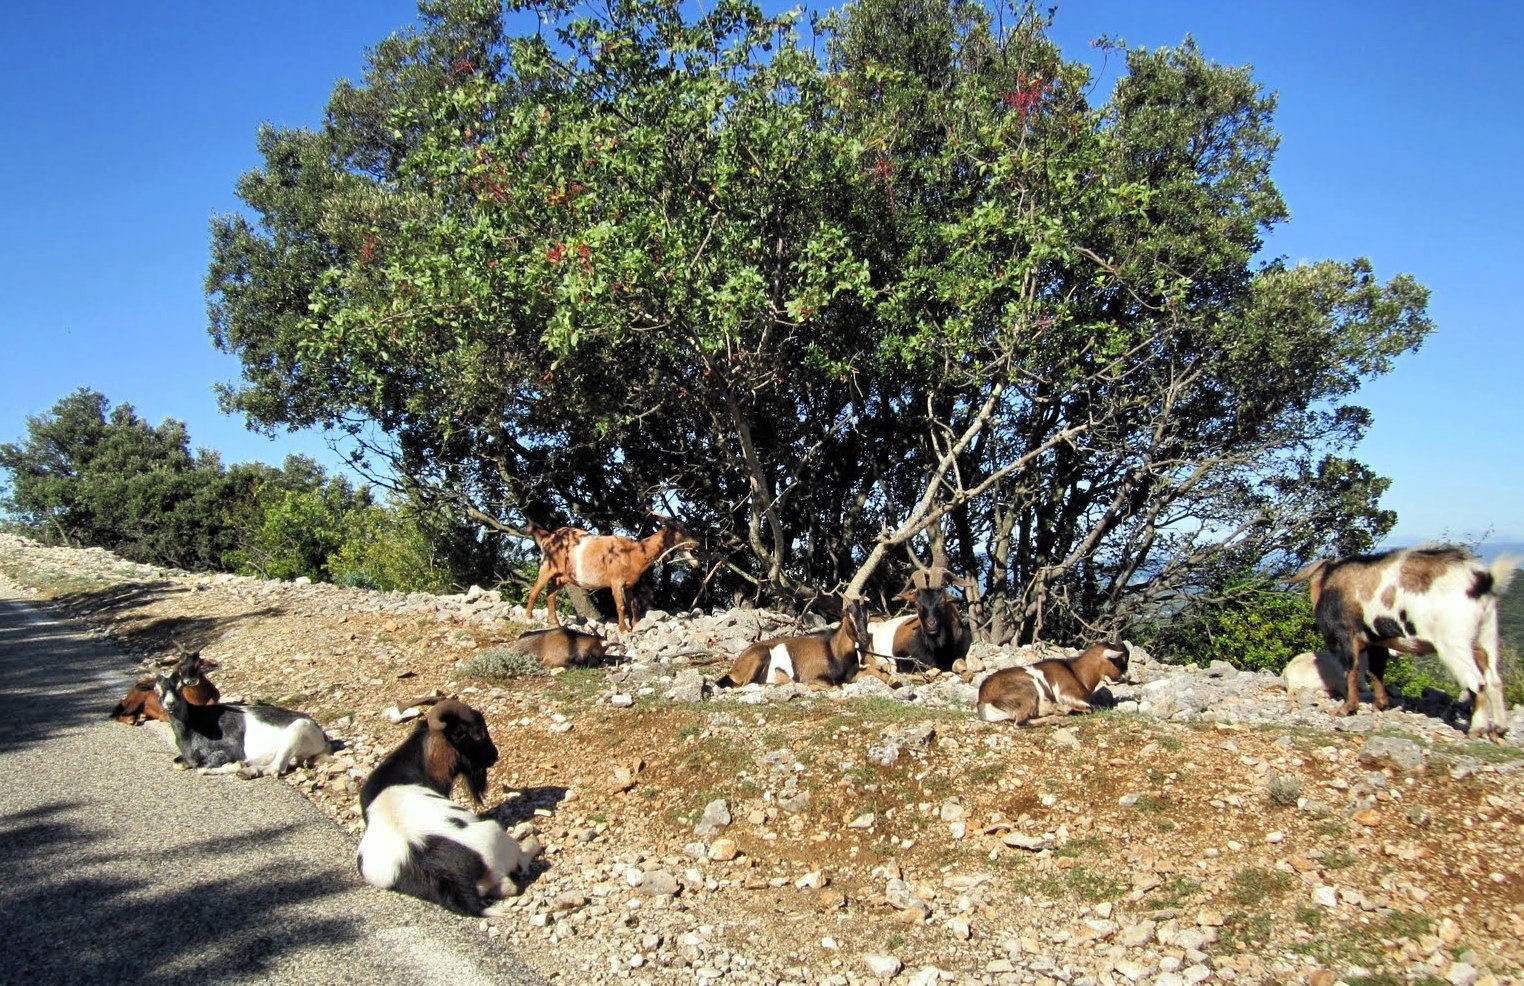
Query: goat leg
{"type": "Point", "coordinates": [1350, 654]}
{"type": "Point", "coordinates": [1375, 664]}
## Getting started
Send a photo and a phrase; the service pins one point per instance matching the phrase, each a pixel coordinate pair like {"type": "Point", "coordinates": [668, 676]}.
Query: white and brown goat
{"type": "Point", "coordinates": [572, 556]}
{"type": "Point", "coordinates": [254, 740]}
{"type": "Point", "coordinates": [419, 842]}
{"type": "Point", "coordinates": [1056, 686]}
{"type": "Point", "coordinates": [1440, 600]}
{"type": "Point", "coordinates": [816, 660]}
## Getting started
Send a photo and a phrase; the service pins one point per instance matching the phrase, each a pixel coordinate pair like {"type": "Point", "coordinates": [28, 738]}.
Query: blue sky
{"type": "Point", "coordinates": [128, 125]}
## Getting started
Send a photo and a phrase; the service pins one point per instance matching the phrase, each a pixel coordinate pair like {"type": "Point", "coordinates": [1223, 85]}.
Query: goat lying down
{"type": "Point", "coordinates": [1440, 601]}
{"type": "Point", "coordinates": [419, 842]}
{"type": "Point", "coordinates": [817, 661]}
{"type": "Point", "coordinates": [934, 636]}
{"type": "Point", "coordinates": [1057, 686]}
{"type": "Point", "coordinates": [560, 647]}
{"type": "Point", "coordinates": [142, 700]}
{"type": "Point", "coordinates": [252, 739]}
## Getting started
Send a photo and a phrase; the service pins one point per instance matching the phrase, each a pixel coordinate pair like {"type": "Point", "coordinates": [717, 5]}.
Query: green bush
{"type": "Point", "coordinates": [1247, 624]}
{"type": "Point", "coordinates": [388, 546]}
{"type": "Point", "coordinates": [497, 663]}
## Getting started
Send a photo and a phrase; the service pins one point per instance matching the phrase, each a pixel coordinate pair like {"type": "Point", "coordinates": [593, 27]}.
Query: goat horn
{"type": "Point", "coordinates": [442, 707]}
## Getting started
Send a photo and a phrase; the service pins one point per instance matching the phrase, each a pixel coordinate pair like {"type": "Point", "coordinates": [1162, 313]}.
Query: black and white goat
{"type": "Point", "coordinates": [818, 661]}
{"type": "Point", "coordinates": [1057, 686]}
{"type": "Point", "coordinates": [253, 739]}
{"type": "Point", "coordinates": [419, 842]}
{"type": "Point", "coordinates": [1438, 600]}
{"type": "Point", "coordinates": [142, 699]}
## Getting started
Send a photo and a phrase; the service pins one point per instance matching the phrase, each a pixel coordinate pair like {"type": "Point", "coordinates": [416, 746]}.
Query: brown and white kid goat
{"type": "Point", "coordinates": [818, 661]}
{"type": "Point", "coordinates": [572, 556]}
{"type": "Point", "coordinates": [1056, 686]}
{"type": "Point", "coordinates": [1439, 601]}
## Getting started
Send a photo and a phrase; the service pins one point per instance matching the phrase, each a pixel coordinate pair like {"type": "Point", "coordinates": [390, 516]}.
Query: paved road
{"type": "Point", "coordinates": [116, 867]}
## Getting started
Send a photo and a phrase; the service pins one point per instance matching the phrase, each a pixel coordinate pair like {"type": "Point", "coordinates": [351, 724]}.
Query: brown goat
{"type": "Point", "coordinates": [560, 647]}
{"type": "Point", "coordinates": [817, 661]}
{"type": "Point", "coordinates": [572, 556]}
{"type": "Point", "coordinates": [142, 701]}
{"type": "Point", "coordinates": [1054, 686]}
{"type": "Point", "coordinates": [1440, 601]}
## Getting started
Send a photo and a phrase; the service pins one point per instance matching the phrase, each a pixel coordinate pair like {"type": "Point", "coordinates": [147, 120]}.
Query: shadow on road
{"type": "Point", "coordinates": [61, 685]}
{"type": "Point", "coordinates": [95, 927]}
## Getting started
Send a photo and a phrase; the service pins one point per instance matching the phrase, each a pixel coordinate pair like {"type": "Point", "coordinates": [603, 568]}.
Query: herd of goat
{"type": "Point", "coordinates": [418, 841]}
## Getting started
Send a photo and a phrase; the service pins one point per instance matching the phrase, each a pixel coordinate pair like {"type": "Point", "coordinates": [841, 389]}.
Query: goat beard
{"type": "Point", "coordinates": [475, 778]}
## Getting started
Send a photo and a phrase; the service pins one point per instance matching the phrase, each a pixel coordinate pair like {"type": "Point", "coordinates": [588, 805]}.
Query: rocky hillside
{"type": "Point", "coordinates": [1201, 829]}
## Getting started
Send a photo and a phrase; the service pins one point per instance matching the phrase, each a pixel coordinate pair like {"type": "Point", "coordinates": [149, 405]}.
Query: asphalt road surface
{"type": "Point", "coordinates": [116, 867]}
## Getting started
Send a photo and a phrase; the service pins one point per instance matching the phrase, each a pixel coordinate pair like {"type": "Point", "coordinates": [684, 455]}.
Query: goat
{"type": "Point", "coordinates": [262, 739]}
{"type": "Point", "coordinates": [815, 660]}
{"type": "Point", "coordinates": [560, 647]}
{"type": "Point", "coordinates": [1439, 600]}
{"type": "Point", "coordinates": [934, 636]}
{"type": "Point", "coordinates": [572, 556]}
{"type": "Point", "coordinates": [142, 701]}
{"type": "Point", "coordinates": [419, 842]}
{"type": "Point", "coordinates": [1053, 686]}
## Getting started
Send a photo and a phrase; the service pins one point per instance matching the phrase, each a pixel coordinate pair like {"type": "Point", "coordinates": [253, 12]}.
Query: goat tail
{"type": "Point", "coordinates": [1504, 567]}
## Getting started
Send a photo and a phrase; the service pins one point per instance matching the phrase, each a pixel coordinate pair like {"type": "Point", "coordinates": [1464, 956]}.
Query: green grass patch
{"type": "Point", "coordinates": [1246, 931]}
{"type": "Point", "coordinates": [1176, 891]}
{"type": "Point", "coordinates": [1449, 754]}
{"type": "Point", "coordinates": [1075, 848]}
{"type": "Point", "coordinates": [1253, 885]}
{"type": "Point", "coordinates": [1152, 804]}
{"type": "Point", "coordinates": [576, 684]}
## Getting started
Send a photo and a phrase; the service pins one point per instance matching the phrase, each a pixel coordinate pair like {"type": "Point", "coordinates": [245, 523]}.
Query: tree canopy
{"type": "Point", "coordinates": [891, 287]}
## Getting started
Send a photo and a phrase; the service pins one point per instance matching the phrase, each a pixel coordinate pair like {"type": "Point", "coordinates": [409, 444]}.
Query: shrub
{"type": "Point", "coordinates": [358, 578]}
{"type": "Point", "coordinates": [389, 546]}
{"type": "Point", "coordinates": [1245, 623]}
{"type": "Point", "coordinates": [1284, 789]}
{"type": "Point", "coordinates": [496, 663]}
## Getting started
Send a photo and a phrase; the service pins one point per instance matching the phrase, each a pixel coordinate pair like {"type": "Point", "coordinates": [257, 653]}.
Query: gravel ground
{"type": "Point", "coordinates": [1205, 829]}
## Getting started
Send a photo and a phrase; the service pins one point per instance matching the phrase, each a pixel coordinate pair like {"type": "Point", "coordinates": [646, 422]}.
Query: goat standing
{"type": "Point", "coordinates": [1439, 601]}
{"type": "Point", "coordinates": [419, 842]}
{"type": "Point", "coordinates": [572, 556]}
{"type": "Point", "coordinates": [1053, 686]}
{"type": "Point", "coordinates": [818, 661]}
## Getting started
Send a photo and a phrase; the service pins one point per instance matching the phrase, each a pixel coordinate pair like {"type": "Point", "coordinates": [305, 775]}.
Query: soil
{"type": "Point", "coordinates": [870, 840]}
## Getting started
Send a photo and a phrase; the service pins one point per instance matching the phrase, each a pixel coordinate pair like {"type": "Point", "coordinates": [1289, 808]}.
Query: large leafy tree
{"type": "Point", "coordinates": [914, 297]}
